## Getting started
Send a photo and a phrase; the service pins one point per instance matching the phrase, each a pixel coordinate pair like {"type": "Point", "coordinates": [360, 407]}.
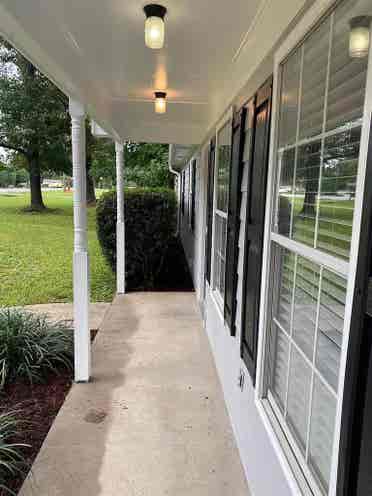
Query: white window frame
{"type": "Point", "coordinates": [228, 116]}
{"type": "Point", "coordinates": [288, 462]}
{"type": "Point", "coordinates": [189, 173]}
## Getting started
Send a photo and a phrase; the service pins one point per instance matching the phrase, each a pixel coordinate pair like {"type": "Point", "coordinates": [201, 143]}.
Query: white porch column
{"type": "Point", "coordinates": [80, 258]}
{"type": "Point", "coordinates": [120, 226]}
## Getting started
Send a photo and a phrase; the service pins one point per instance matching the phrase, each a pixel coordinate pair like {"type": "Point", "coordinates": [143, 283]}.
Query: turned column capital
{"type": "Point", "coordinates": [119, 147]}
{"type": "Point", "coordinates": [76, 109]}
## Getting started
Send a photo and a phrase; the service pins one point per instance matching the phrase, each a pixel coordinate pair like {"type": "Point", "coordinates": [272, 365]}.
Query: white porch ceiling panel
{"type": "Point", "coordinates": [95, 51]}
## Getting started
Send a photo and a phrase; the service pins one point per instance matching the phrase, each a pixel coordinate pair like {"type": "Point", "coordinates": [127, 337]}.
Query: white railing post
{"type": "Point", "coordinates": [120, 225]}
{"type": "Point", "coordinates": [82, 347]}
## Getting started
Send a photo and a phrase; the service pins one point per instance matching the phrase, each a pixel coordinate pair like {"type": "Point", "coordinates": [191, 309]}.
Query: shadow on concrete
{"type": "Point", "coordinates": [70, 461]}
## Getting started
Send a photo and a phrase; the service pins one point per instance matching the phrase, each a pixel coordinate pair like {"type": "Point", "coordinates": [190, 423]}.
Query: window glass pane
{"type": "Point", "coordinates": [298, 397]}
{"type": "Point", "coordinates": [287, 159]}
{"type": "Point", "coordinates": [289, 99]}
{"type": "Point", "coordinates": [322, 94]}
{"type": "Point", "coordinates": [331, 323]}
{"type": "Point", "coordinates": [323, 416]}
{"type": "Point", "coordinates": [284, 262]}
{"type": "Point", "coordinates": [296, 297]}
{"type": "Point", "coordinates": [305, 305]}
{"type": "Point", "coordinates": [220, 224]}
{"type": "Point", "coordinates": [279, 362]}
{"type": "Point", "coordinates": [217, 258]}
{"type": "Point", "coordinates": [314, 77]}
{"type": "Point", "coordinates": [306, 192]}
{"type": "Point", "coordinates": [247, 145]}
{"type": "Point", "coordinates": [347, 79]}
{"type": "Point", "coordinates": [223, 164]}
{"type": "Point", "coordinates": [337, 192]}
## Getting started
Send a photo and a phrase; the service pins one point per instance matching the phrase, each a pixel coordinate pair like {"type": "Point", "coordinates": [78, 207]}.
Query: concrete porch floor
{"type": "Point", "coordinates": [152, 422]}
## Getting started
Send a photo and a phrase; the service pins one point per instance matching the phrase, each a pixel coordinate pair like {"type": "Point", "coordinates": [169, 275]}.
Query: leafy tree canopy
{"type": "Point", "coordinates": [146, 164]}
{"type": "Point", "coordinates": [34, 120]}
{"type": "Point", "coordinates": [33, 111]}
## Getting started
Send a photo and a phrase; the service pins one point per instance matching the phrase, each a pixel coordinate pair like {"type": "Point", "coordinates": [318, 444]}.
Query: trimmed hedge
{"type": "Point", "coordinates": [150, 226]}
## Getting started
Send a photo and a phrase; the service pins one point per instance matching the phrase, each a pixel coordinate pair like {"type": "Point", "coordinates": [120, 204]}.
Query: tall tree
{"type": "Point", "coordinates": [33, 118]}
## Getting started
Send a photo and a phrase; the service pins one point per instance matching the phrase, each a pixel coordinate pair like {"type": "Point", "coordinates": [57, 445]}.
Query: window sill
{"type": "Point", "coordinates": [217, 302]}
{"type": "Point", "coordinates": [288, 462]}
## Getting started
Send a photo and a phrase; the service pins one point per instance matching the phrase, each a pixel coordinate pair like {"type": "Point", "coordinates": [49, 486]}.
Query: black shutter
{"type": "Point", "coordinates": [254, 227]}
{"type": "Point", "coordinates": [188, 194]}
{"type": "Point", "coordinates": [233, 220]}
{"type": "Point", "coordinates": [193, 194]}
{"type": "Point", "coordinates": [183, 192]}
{"type": "Point", "coordinates": [355, 449]}
{"type": "Point", "coordinates": [209, 216]}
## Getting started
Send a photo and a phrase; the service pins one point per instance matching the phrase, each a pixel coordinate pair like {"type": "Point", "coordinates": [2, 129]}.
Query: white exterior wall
{"type": "Point", "coordinates": [256, 450]}
{"type": "Point", "coordinates": [200, 220]}
{"type": "Point", "coordinates": [194, 240]}
{"type": "Point", "coordinates": [187, 235]}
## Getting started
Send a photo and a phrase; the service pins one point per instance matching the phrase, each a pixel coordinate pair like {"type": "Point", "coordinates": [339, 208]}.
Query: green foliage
{"type": "Point", "coordinates": [12, 461]}
{"type": "Point", "coordinates": [12, 177]}
{"type": "Point", "coordinates": [146, 164]}
{"type": "Point", "coordinates": [33, 112]}
{"type": "Point", "coordinates": [34, 120]}
{"type": "Point", "coordinates": [103, 166]}
{"type": "Point", "coordinates": [31, 347]}
{"type": "Point", "coordinates": [150, 224]}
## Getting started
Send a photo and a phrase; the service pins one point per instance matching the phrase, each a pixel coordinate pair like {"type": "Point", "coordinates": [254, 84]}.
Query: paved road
{"type": "Point", "coordinates": [12, 191]}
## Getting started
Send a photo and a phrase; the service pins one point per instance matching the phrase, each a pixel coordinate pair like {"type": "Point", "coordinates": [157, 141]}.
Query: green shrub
{"type": "Point", "coordinates": [31, 347]}
{"type": "Point", "coordinates": [150, 225]}
{"type": "Point", "coordinates": [12, 461]}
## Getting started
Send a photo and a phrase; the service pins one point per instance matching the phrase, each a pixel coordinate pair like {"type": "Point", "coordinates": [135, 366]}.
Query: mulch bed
{"type": "Point", "coordinates": [38, 405]}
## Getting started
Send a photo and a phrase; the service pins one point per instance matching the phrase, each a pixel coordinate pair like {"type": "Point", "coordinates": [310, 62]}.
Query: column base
{"type": "Point", "coordinates": [82, 345]}
{"type": "Point", "coordinates": [120, 257]}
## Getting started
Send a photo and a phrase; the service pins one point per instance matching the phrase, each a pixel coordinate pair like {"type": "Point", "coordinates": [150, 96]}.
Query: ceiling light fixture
{"type": "Point", "coordinates": [359, 39]}
{"type": "Point", "coordinates": [154, 25]}
{"type": "Point", "coordinates": [160, 102]}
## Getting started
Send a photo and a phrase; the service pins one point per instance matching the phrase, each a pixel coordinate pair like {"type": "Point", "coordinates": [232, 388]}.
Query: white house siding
{"type": "Point", "coordinates": [200, 218]}
{"type": "Point", "coordinates": [194, 240]}
{"type": "Point", "coordinates": [186, 233]}
{"type": "Point", "coordinates": [256, 451]}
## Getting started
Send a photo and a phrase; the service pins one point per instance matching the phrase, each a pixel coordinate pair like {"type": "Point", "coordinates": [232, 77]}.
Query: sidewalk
{"type": "Point", "coordinates": [152, 422]}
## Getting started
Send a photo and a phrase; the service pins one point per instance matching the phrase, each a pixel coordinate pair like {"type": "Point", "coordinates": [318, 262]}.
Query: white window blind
{"type": "Point", "coordinates": [305, 343]}
{"type": "Point", "coordinates": [221, 207]}
{"type": "Point", "coordinates": [320, 116]}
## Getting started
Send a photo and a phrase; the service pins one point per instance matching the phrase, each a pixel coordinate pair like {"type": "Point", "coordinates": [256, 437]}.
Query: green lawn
{"type": "Point", "coordinates": [36, 253]}
{"type": "Point", "coordinates": [334, 228]}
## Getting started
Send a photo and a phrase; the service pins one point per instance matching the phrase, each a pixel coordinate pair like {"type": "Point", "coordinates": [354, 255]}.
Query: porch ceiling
{"type": "Point", "coordinates": [95, 51]}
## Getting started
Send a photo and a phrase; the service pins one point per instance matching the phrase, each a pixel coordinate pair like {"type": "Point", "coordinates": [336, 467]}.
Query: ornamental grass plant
{"type": "Point", "coordinates": [32, 347]}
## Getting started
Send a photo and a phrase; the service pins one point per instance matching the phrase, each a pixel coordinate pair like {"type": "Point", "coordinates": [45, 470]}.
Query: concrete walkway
{"type": "Point", "coordinates": [153, 421]}
{"type": "Point", "coordinates": [65, 312]}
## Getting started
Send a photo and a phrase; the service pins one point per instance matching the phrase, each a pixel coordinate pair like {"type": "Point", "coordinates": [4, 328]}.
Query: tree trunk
{"type": "Point", "coordinates": [37, 203]}
{"type": "Point", "coordinates": [311, 177]}
{"type": "Point", "coordinates": [309, 203]}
